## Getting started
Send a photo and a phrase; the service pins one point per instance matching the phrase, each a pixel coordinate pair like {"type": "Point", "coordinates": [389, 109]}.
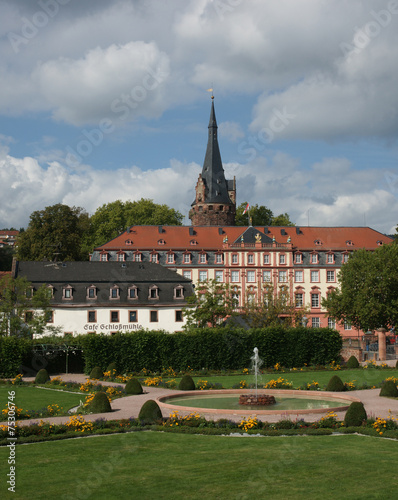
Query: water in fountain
{"type": "Point", "coordinates": [256, 365]}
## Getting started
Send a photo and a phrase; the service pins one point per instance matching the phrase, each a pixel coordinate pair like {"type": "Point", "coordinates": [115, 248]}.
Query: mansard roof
{"type": "Point", "coordinates": [160, 238]}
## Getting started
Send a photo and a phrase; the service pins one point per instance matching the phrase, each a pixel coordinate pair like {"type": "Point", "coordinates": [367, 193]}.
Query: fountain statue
{"type": "Point", "coordinates": [258, 400]}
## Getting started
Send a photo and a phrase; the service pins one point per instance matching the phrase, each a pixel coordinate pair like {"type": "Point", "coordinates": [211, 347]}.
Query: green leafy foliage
{"type": "Point", "coordinates": [352, 362]}
{"type": "Point", "coordinates": [335, 384]}
{"type": "Point", "coordinates": [96, 373]}
{"type": "Point", "coordinates": [100, 403]}
{"type": "Point", "coordinates": [42, 376]}
{"type": "Point", "coordinates": [150, 412]}
{"type": "Point", "coordinates": [260, 216]}
{"type": "Point", "coordinates": [186, 383]}
{"type": "Point", "coordinates": [112, 368]}
{"type": "Point", "coordinates": [14, 353]}
{"type": "Point", "coordinates": [389, 389]}
{"type": "Point", "coordinates": [368, 293]}
{"type": "Point", "coordinates": [355, 415]}
{"type": "Point", "coordinates": [133, 386]}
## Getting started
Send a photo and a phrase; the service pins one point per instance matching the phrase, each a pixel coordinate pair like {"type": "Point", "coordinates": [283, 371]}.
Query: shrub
{"type": "Point", "coordinates": [133, 386]}
{"type": "Point", "coordinates": [100, 403]}
{"type": "Point", "coordinates": [352, 362]}
{"type": "Point", "coordinates": [389, 389]}
{"type": "Point", "coordinates": [96, 373]}
{"type": "Point", "coordinates": [186, 383]}
{"type": "Point", "coordinates": [355, 415]}
{"type": "Point", "coordinates": [42, 376]}
{"type": "Point", "coordinates": [335, 384]}
{"type": "Point", "coordinates": [150, 412]}
{"type": "Point", "coordinates": [112, 368]}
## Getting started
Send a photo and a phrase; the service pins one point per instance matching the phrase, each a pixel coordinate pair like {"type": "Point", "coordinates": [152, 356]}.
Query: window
{"type": "Point", "coordinates": [219, 258]}
{"type": "Point", "coordinates": [330, 276]}
{"type": "Point", "coordinates": [153, 292]}
{"type": "Point", "coordinates": [154, 258]}
{"type": "Point", "coordinates": [282, 276]}
{"type": "Point", "coordinates": [187, 258]}
{"type": "Point", "coordinates": [170, 258]}
{"type": "Point", "coordinates": [179, 317]}
{"type": "Point", "coordinates": [282, 259]}
{"type": "Point", "coordinates": [316, 322]}
{"type": "Point", "coordinates": [298, 258]}
{"type": "Point", "coordinates": [133, 317]}
{"type": "Point", "coordinates": [298, 276]}
{"type": "Point", "coordinates": [347, 325]}
{"type": "Point", "coordinates": [219, 276]}
{"type": "Point", "coordinates": [267, 276]}
{"type": "Point", "coordinates": [331, 323]}
{"type": "Point", "coordinates": [330, 258]}
{"type": "Point", "coordinates": [114, 316]}
{"type": "Point", "coordinates": [67, 292]}
{"type": "Point", "coordinates": [315, 276]}
{"type": "Point", "coordinates": [121, 257]}
{"type": "Point", "coordinates": [235, 276]}
{"type": "Point", "coordinates": [251, 276]}
{"type": "Point", "coordinates": [314, 300]}
{"type": "Point", "coordinates": [104, 257]}
{"type": "Point", "coordinates": [153, 316]}
{"type": "Point", "coordinates": [345, 257]}
{"type": "Point", "coordinates": [235, 259]}
{"type": "Point", "coordinates": [266, 258]}
{"type": "Point", "coordinates": [299, 300]}
{"type": "Point", "coordinates": [202, 275]}
{"type": "Point", "coordinates": [250, 259]}
{"type": "Point", "coordinates": [187, 275]}
{"type": "Point", "coordinates": [314, 258]}
{"type": "Point", "coordinates": [92, 316]}
{"type": "Point", "coordinates": [137, 257]}
{"type": "Point", "coordinates": [91, 292]}
{"type": "Point", "coordinates": [235, 297]}
{"type": "Point", "coordinates": [179, 292]}
{"type": "Point", "coordinates": [114, 292]}
{"type": "Point", "coordinates": [132, 292]}
{"type": "Point", "coordinates": [29, 293]}
{"type": "Point", "coordinates": [203, 258]}
{"type": "Point", "coordinates": [50, 316]}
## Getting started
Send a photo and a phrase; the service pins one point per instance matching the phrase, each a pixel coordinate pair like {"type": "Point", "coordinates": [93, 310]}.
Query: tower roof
{"type": "Point", "coordinates": [213, 172]}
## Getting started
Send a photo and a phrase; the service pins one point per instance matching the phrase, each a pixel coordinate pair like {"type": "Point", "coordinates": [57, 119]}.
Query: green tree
{"type": "Point", "coordinates": [6, 255]}
{"type": "Point", "coordinates": [23, 311]}
{"type": "Point", "coordinates": [368, 293]}
{"type": "Point", "coordinates": [211, 303]}
{"type": "Point", "coordinates": [260, 216]}
{"type": "Point", "coordinates": [274, 308]}
{"type": "Point", "coordinates": [54, 233]}
{"type": "Point", "coordinates": [111, 219]}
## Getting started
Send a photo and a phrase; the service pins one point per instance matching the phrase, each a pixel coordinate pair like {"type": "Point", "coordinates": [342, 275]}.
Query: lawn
{"type": "Point", "coordinates": [370, 377]}
{"type": "Point", "coordinates": [35, 398]}
{"type": "Point", "coordinates": [153, 465]}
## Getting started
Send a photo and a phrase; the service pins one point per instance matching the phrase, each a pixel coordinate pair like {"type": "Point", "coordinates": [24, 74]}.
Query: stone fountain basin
{"type": "Point", "coordinates": [343, 401]}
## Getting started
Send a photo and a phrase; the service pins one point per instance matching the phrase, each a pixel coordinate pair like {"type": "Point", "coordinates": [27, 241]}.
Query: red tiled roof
{"type": "Point", "coordinates": [210, 237]}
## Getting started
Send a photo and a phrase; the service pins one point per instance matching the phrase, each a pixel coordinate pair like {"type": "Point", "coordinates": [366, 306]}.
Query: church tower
{"type": "Point", "coordinates": [215, 200]}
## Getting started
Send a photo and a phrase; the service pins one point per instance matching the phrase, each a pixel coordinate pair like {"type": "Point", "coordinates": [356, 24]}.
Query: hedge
{"type": "Point", "coordinates": [15, 353]}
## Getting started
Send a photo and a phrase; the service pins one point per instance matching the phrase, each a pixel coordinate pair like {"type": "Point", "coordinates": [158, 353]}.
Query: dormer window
{"type": "Point", "coordinates": [187, 258]}
{"type": "Point", "coordinates": [67, 292]}
{"type": "Point", "coordinates": [349, 243]}
{"type": "Point", "coordinates": [314, 258]}
{"type": "Point", "coordinates": [298, 258]}
{"type": "Point", "coordinates": [137, 257]}
{"type": "Point", "coordinates": [154, 258]}
{"type": "Point", "coordinates": [161, 242]}
{"type": "Point", "coordinates": [91, 292]}
{"type": "Point", "coordinates": [104, 257]}
{"type": "Point", "coordinates": [318, 242]}
{"type": "Point", "coordinates": [50, 291]}
{"type": "Point", "coordinates": [114, 292]}
{"type": "Point", "coordinates": [179, 292]}
{"type": "Point", "coordinates": [132, 292]}
{"type": "Point", "coordinates": [121, 256]}
{"type": "Point", "coordinates": [128, 242]}
{"type": "Point", "coordinates": [29, 292]}
{"type": "Point", "coordinates": [379, 243]}
{"type": "Point", "coordinates": [219, 258]}
{"type": "Point", "coordinates": [202, 258]}
{"type": "Point", "coordinates": [330, 258]}
{"type": "Point", "coordinates": [153, 292]}
{"type": "Point", "coordinates": [193, 242]}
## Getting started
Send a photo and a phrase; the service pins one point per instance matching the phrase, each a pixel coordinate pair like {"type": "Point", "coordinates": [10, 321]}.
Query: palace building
{"type": "Point", "coordinates": [306, 260]}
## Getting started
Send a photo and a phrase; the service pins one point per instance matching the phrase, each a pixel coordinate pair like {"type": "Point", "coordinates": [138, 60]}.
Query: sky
{"type": "Point", "coordinates": [106, 100]}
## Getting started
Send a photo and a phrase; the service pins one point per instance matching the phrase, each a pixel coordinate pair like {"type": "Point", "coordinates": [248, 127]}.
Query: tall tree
{"type": "Point", "coordinates": [23, 311]}
{"type": "Point", "coordinates": [54, 233]}
{"type": "Point", "coordinates": [282, 220]}
{"type": "Point", "coordinates": [6, 255]}
{"type": "Point", "coordinates": [111, 219]}
{"type": "Point", "coordinates": [368, 293]}
{"type": "Point", "coordinates": [260, 216]}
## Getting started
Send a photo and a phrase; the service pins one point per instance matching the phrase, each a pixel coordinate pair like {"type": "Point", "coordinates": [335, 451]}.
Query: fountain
{"type": "Point", "coordinates": [256, 400]}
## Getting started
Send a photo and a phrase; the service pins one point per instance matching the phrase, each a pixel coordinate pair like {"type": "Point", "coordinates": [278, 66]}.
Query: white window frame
{"type": "Point", "coordinates": [251, 276]}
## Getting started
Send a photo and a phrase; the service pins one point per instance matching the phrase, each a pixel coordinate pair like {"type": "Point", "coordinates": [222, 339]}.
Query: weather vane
{"type": "Point", "coordinates": [211, 90]}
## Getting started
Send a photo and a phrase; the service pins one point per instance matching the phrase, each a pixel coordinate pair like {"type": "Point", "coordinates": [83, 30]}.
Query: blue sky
{"type": "Point", "coordinates": [107, 100]}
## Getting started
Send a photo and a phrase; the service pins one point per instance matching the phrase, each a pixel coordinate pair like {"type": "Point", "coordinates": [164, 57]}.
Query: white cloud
{"type": "Point", "coordinates": [231, 131]}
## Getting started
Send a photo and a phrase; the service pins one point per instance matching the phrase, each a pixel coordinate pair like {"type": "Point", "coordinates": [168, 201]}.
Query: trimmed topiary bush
{"type": "Point", "coordinates": [112, 368]}
{"type": "Point", "coordinates": [389, 389]}
{"type": "Point", "coordinates": [352, 362]}
{"type": "Point", "coordinates": [42, 376]}
{"type": "Point", "coordinates": [335, 384]}
{"type": "Point", "coordinates": [133, 386]}
{"type": "Point", "coordinates": [96, 373]}
{"type": "Point", "coordinates": [355, 415]}
{"type": "Point", "coordinates": [150, 412]}
{"type": "Point", "coordinates": [100, 403]}
{"type": "Point", "coordinates": [187, 383]}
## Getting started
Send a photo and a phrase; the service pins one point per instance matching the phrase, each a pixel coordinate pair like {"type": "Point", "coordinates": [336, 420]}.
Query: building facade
{"type": "Point", "coordinates": [90, 297]}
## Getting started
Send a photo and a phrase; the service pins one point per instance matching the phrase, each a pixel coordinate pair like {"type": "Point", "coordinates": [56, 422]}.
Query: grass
{"type": "Point", "coordinates": [370, 377]}
{"type": "Point", "coordinates": [34, 398]}
{"type": "Point", "coordinates": [149, 465]}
